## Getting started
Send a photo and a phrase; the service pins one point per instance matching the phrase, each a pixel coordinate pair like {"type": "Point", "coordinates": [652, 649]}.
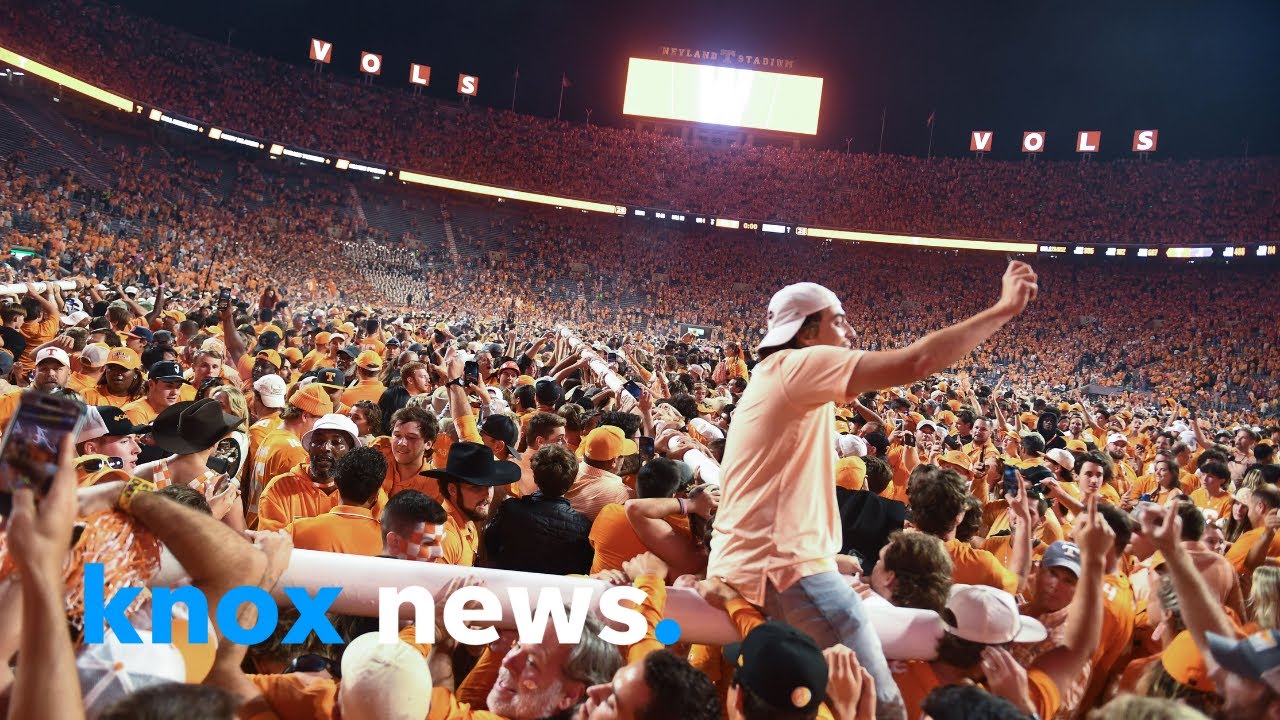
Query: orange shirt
{"type": "Point", "coordinates": [461, 541]}
{"type": "Point", "coordinates": [9, 405]}
{"type": "Point", "coordinates": [1118, 608]}
{"type": "Point", "coordinates": [81, 383]}
{"type": "Point", "coordinates": [344, 529]}
{"type": "Point", "coordinates": [778, 520]}
{"type": "Point", "coordinates": [37, 334]}
{"type": "Point", "coordinates": [979, 567]}
{"type": "Point", "coordinates": [279, 451]}
{"type": "Point", "coordinates": [616, 542]}
{"type": "Point", "coordinates": [916, 679]}
{"type": "Point", "coordinates": [394, 483]}
{"type": "Point", "coordinates": [98, 396]}
{"type": "Point", "coordinates": [369, 390]}
{"type": "Point", "coordinates": [1220, 505]}
{"type": "Point", "coordinates": [1239, 550]}
{"type": "Point", "coordinates": [294, 495]}
{"type": "Point", "coordinates": [140, 411]}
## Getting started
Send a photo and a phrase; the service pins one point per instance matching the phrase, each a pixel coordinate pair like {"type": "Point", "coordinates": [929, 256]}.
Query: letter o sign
{"type": "Point", "coordinates": [1033, 141]}
{"type": "Point", "coordinates": [370, 63]}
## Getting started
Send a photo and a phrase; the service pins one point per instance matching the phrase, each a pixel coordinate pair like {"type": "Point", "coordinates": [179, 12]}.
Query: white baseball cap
{"type": "Point", "coordinates": [93, 355]}
{"type": "Point", "coordinates": [53, 353]}
{"type": "Point", "coordinates": [271, 389]}
{"type": "Point", "coordinates": [1064, 458]}
{"type": "Point", "coordinates": [75, 318]}
{"type": "Point", "coordinates": [334, 421]}
{"type": "Point", "coordinates": [929, 423]}
{"type": "Point", "coordinates": [1116, 437]}
{"type": "Point", "coordinates": [989, 616]}
{"type": "Point", "coordinates": [791, 305]}
{"type": "Point", "coordinates": [851, 446]}
{"type": "Point", "coordinates": [384, 680]}
{"type": "Point", "coordinates": [112, 669]}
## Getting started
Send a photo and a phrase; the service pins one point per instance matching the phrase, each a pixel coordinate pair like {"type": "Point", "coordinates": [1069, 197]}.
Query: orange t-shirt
{"type": "Point", "coordinates": [279, 451]}
{"type": "Point", "coordinates": [979, 567]}
{"type": "Point", "coordinates": [37, 334]}
{"type": "Point", "coordinates": [394, 483]}
{"type": "Point", "coordinates": [461, 542]}
{"type": "Point", "coordinates": [98, 396]}
{"type": "Point", "coordinates": [1118, 608]}
{"type": "Point", "coordinates": [344, 529]}
{"type": "Point", "coordinates": [916, 679]}
{"type": "Point", "coordinates": [369, 390]}
{"type": "Point", "coordinates": [1239, 550]}
{"type": "Point", "coordinates": [140, 411]}
{"type": "Point", "coordinates": [616, 542]}
{"type": "Point", "coordinates": [1220, 505]}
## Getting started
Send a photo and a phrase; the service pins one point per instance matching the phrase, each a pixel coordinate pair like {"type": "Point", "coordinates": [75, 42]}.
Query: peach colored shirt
{"type": "Point", "coordinates": [778, 520]}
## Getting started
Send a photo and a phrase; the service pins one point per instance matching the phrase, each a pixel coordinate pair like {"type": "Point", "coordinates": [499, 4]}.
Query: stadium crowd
{"type": "Point", "coordinates": [1160, 202]}
{"type": "Point", "coordinates": [1062, 481]}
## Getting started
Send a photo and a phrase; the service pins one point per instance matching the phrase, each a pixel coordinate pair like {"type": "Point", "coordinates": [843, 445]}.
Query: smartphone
{"type": "Point", "coordinates": [645, 445]}
{"type": "Point", "coordinates": [224, 299]}
{"type": "Point", "coordinates": [1011, 481]}
{"type": "Point", "coordinates": [29, 455]}
{"type": "Point", "coordinates": [613, 357]}
{"type": "Point", "coordinates": [471, 369]}
{"type": "Point", "coordinates": [634, 388]}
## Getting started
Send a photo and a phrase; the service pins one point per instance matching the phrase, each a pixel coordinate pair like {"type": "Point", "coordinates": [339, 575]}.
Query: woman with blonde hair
{"type": "Point", "coordinates": [234, 448]}
{"type": "Point", "coordinates": [1264, 598]}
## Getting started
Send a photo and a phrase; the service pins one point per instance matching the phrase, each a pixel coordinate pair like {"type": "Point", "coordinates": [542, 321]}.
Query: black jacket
{"type": "Point", "coordinates": [867, 521]}
{"type": "Point", "coordinates": [539, 534]}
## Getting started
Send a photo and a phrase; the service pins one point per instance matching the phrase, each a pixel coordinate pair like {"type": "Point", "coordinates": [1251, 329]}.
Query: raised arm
{"type": "Point", "coordinates": [938, 350]}
{"type": "Point", "coordinates": [1200, 606]}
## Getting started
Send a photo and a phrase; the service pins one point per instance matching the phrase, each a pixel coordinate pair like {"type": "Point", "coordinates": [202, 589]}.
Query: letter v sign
{"type": "Point", "coordinates": [980, 141]}
{"type": "Point", "coordinates": [321, 51]}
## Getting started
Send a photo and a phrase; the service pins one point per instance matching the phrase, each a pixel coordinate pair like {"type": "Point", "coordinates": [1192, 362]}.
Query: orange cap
{"type": "Point", "coordinates": [270, 356]}
{"type": "Point", "coordinates": [851, 473]}
{"type": "Point", "coordinates": [607, 443]}
{"type": "Point", "coordinates": [294, 355]}
{"type": "Point", "coordinates": [957, 458]}
{"type": "Point", "coordinates": [322, 338]}
{"type": "Point", "coordinates": [369, 360]}
{"type": "Point", "coordinates": [1184, 663]}
{"type": "Point", "coordinates": [313, 400]}
{"type": "Point", "coordinates": [525, 380]}
{"type": "Point", "coordinates": [1076, 445]}
{"type": "Point", "coordinates": [124, 357]}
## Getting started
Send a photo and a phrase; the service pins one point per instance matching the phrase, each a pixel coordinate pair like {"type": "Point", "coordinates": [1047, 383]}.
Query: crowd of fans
{"type": "Point", "coordinates": [1133, 202]}
{"type": "Point", "coordinates": [1064, 486]}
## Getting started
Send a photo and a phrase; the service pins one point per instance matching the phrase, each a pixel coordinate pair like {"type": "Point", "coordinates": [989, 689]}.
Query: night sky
{"type": "Point", "coordinates": [1206, 74]}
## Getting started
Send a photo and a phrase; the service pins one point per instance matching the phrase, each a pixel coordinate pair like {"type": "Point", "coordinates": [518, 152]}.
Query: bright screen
{"type": "Point", "coordinates": [723, 96]}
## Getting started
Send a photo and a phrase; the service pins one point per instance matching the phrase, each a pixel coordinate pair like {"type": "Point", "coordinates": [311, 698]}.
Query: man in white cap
{"type": "Point", "coordinates": [92, 361]}
{"type": "Point", "coordinates": [53, 369]}
{"type": "Point", "coordinates": [777, 531]}
{"type": "Point", "coordinates": [268, 396]}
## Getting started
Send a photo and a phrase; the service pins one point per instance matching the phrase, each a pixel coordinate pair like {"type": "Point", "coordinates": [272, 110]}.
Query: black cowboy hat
{"type": "Point", "coordinates": [189, 427]}
{"type": "Point", "coordinates": [474, 464]}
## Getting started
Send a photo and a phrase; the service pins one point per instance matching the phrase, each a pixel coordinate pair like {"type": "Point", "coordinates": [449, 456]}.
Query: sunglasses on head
{"type": "Point", "coordinates": [93, 465]}
{"type": "Point", "coordinates": [312, 662]}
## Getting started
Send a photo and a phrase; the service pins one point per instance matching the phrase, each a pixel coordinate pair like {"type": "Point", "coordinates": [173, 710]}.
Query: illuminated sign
{"type": "Point", "coordinates": [468, 84]}
{"type": "Point", "coordinates": [419, 74]}
{"type": "Point", "coordinates": [1088, 141]}
{"type": "Point", "coordinates": [980, 140]}
{"type": "Point", "coordinates": [730, 224]}
{"type": "Point", "coordinates": [321, 51]}
{"type": "Point", "coordinates": [1053, 248]}
{"type": "Point", "coordinates": [1145, 140]}
{"type": "Point", "coordinates": [1033, 141]}
{"type": "Point", "coordinates": [305, 156]}
{"type": "Point", "coordinates": [13, 59]}
{"type": "Point", "coordinates": [727, 56]}
{"type": "Point", "coordinates": [218, 134]}
{"type": "Point", "coordinates": [678, 217]}
{"type": "Point", "coordinates": [370, 63]}
{"type": "Point", "coordinates": [180, 123]}
{"type": "Point", "coordinates": [773, 228]}
{"type": "Point", "coordinates": [640, 212]}
{"type": "Point", "coordinates": [723, 96]}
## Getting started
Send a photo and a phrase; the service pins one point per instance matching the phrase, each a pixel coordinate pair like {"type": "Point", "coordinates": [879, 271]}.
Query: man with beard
{"type": "Point", "coordinates": [53, 369]}
{"type": "Point", "coordinates": [547, 679]}
{"type": "Point", "coordinates": [982, 454]}
{"type": "Point", "coordinates": [280, 450]}
{"type": "Point", "coordinates": [467, 484]}
{"type": "Point", "coordinates": [164, 388]}
{"type": "Point", "coordinates": [308, 489]}
{"type": "Point", "coordinates": [121, 383]}
{"type": "Point", "coordinates": [1125, 476]}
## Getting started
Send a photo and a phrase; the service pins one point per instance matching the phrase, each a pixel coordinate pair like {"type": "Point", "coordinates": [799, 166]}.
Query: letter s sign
{"type": "Point", "coordinates": [468, 84]}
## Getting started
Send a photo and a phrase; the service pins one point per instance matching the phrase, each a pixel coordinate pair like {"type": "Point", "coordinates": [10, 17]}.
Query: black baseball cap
{"type": "Point", "coordinates": [501, 427]}
{"type": "Point", "coordinates": [782, 665]}
{"type": "Point", "coordinates": [166, 371]}
{"type": "Point", "coordinates": [332, 378]}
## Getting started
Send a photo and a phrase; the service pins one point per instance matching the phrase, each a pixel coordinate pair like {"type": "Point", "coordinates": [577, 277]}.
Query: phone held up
{"type": "Point", "coordinates": [32, 442]}
{"type": "Point", "coordinates": [224, 299]}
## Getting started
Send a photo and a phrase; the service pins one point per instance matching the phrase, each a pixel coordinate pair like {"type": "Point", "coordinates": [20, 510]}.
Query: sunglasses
{"type": "Point", "coordinates": [312, 662]}
{"type": "Point", "coordinates": [93, 465]}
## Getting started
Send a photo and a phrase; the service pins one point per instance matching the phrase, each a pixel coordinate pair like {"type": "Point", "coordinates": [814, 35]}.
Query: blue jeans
{"type": "Point", "coordinates": [828, 610]}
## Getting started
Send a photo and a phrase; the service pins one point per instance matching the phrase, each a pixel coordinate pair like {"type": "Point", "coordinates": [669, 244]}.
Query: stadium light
{"type": "Point", "coordinates": [15, 60]}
